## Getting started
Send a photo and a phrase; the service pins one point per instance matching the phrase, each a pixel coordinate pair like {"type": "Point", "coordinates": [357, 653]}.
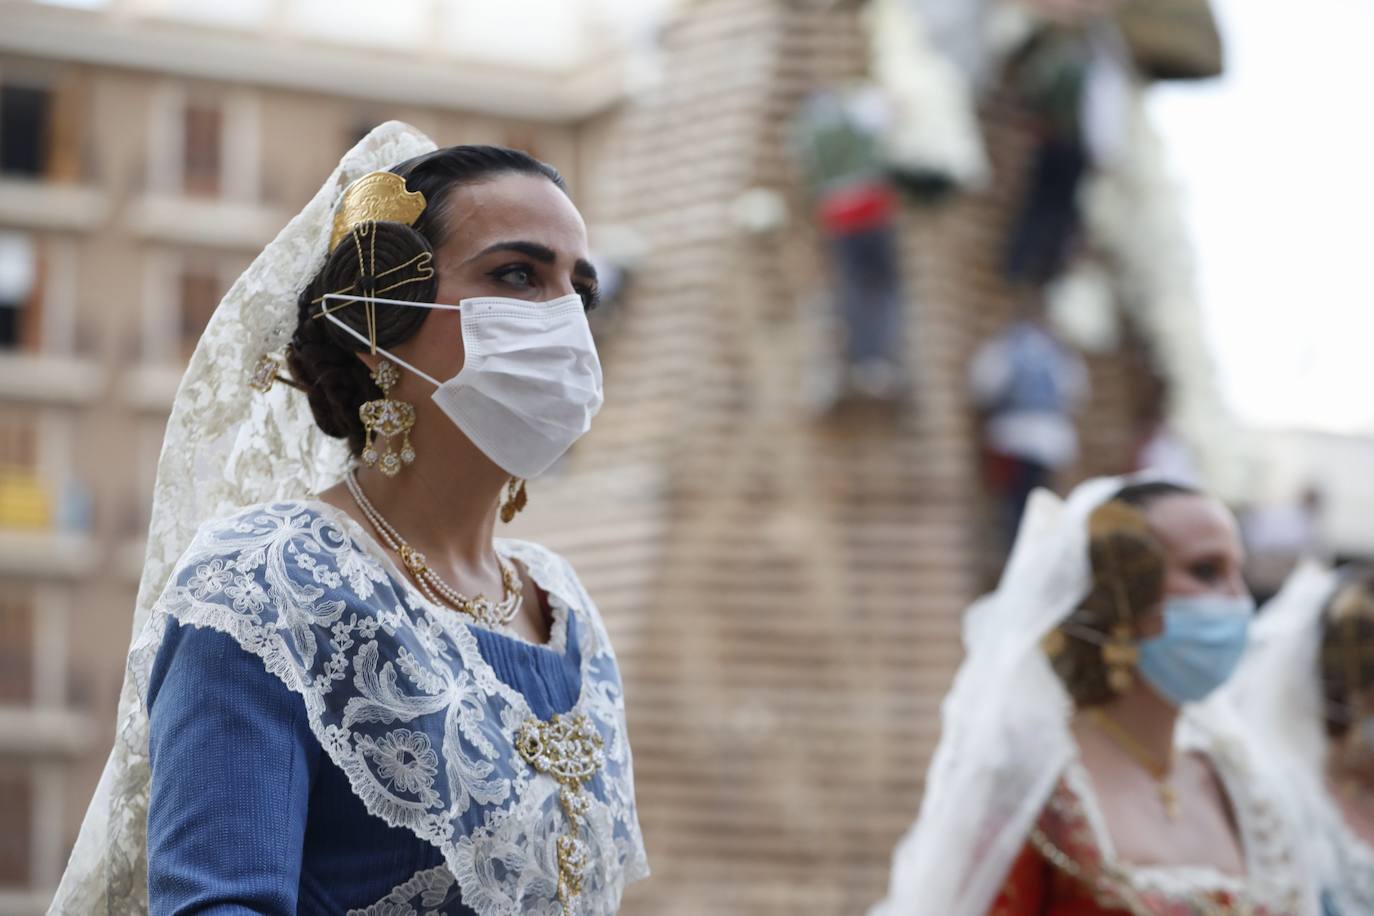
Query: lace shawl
{"type": "Point", "coordinates": [401, 700]}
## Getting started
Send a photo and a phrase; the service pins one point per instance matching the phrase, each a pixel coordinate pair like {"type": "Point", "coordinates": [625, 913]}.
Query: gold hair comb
{"type": "Point", "coordinates": [377, 196]}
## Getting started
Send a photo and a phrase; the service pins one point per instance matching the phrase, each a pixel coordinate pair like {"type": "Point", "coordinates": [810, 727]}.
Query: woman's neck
{"type": "Point", "coordinates": [1150, 720]}
{"type": "Point", "coordinates": [443, 505]}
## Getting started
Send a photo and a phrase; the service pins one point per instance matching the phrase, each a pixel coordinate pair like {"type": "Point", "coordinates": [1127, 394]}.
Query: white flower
{"type": "Point", "coordinates": [327, 577]}
{"type": "Point", "coordinates": [336, 740]}
{"type": "Point", "coordinates": [406, 760]}
{"type": "Point", "coordinates": [341, 631]}
{"type": "Point", "coordinates": [247, 595]}
{"type": "Point", "coordinates": [210, 578]}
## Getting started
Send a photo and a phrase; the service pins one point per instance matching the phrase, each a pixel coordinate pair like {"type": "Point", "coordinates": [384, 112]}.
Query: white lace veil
{"type": "Point", "coordinates": [1005, 737]}
{"type": "Point", "coordinates": [227, 445]}
{"type": "Point", "coordinates": [1276, 695]}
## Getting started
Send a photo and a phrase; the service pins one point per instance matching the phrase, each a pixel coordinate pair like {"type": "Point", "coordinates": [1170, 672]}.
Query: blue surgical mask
{"type": "Point", "coordinates": [1203, 640]}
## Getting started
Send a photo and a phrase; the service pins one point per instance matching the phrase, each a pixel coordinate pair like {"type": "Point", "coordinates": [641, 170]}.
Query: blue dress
{"type": "Point", "coordinates": [251, 813]}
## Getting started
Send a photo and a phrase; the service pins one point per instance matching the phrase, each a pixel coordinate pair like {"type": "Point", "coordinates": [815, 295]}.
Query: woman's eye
{"type": "Point", "coordinates": [1205, 572]}
{"type": "Point", "coordinates": [515, 275]}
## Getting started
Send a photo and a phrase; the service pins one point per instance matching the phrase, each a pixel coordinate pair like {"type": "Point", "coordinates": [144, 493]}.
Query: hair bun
{"type": "Point", "coordinates": [383, 259]}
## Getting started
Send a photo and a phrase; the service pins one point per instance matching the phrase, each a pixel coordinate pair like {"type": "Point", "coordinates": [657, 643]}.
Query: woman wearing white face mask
{"type": "Point", "coordinates": [1080, 771]}
{"type": "Point", "coordinates": [1306, 687]}
{"type": "Point", "coordinates": [350, 695]}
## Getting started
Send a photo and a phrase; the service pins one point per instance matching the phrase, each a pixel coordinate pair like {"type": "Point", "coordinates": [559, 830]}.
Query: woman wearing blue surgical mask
{"type": "Point", "coordinates": [346, 693]}
{"type": "Point", "coordinates": [1085, 766]}
{"type": "Point", "coordinates": [1306, 687]}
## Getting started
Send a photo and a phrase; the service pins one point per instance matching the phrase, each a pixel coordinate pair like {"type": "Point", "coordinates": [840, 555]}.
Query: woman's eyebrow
{"type": "Point", "coordinates": [541, 253]}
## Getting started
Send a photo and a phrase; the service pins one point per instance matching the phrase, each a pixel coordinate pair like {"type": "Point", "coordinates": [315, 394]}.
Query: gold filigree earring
{"type": "Point", "coordinates": [514, 500]}
{"type": "Point", "coordinates": [1121, 653]}
{"type": "Point", "coordinates": [387, 417]}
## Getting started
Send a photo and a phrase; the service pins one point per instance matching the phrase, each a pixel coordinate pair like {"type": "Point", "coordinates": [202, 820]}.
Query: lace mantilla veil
{"type": "Point", "coordinates": [227, 446]}
{"type": "Point", "coordinates": [1005, 735]}
{"type": "Point", "coordinates": [1278, 687]}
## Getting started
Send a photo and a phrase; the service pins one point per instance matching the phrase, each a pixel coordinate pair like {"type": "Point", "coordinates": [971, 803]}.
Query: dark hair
{"type": "Point", "coordinates": [1347, 648]}
{"type": "Point", "coordinates": [1128, 581]}
{"type": "Point", "coordinates": [322, 356]}
{"type": "Point", "coordinates": [1142, 495]}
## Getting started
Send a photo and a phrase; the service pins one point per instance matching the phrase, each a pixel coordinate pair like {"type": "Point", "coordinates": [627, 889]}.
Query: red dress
{"type": "Point", "coordinates": [1063, 871]}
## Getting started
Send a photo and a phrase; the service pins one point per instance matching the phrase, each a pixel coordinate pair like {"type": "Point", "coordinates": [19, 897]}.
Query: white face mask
{"type": "Point", "coordinates": [530, 382]}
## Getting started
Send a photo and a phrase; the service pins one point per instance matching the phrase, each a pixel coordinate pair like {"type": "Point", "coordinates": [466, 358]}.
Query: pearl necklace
{"type": "Point", "coordinates": [481, 609]}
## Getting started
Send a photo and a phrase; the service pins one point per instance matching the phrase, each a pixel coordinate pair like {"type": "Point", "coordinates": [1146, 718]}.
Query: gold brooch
{"type": "Point", "coordinates": [568, 748]}
{"type": "Point", "coordinates": [377, 196]}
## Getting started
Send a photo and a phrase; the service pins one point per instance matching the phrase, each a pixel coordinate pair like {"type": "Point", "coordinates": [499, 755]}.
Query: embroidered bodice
{"type": "Point", "coordinates": [1070, 868]}
{"type": "Point", "coordinates": [402, 700]}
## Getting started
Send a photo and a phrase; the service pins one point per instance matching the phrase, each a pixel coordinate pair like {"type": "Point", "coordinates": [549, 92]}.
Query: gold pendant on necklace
{"type": "Point", "coordinates": [1169, 799]}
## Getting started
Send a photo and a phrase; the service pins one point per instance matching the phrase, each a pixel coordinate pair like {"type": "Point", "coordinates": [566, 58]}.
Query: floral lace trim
{"type": "Point", "coordinates": [426, 893]}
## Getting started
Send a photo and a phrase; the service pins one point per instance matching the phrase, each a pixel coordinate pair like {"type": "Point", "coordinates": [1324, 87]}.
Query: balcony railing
{"type": "Point", "coordinates": [48, 378]}
{"type": "Point", "coordinates": [47, 555]}
{"type": "Point", "coordinates": [215, 223]}
{"type": "Point", "coordinates": [52, 205]}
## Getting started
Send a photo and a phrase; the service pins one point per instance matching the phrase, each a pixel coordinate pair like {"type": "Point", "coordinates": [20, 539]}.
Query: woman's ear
{"type": "Point", "coordinates": [1151, 623]}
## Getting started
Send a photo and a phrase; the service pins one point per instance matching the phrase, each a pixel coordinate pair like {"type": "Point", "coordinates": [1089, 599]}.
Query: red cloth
{"type": "Point", "coordinates": [1036, 887]}
{"type": "Point", "coordinates": [856, 207]}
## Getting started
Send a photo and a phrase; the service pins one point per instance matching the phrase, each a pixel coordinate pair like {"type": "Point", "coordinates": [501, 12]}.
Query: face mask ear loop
{"type": "Point", "coordinates": [345, 299]}
{"type": "Point", "coordinates": [396, 359]}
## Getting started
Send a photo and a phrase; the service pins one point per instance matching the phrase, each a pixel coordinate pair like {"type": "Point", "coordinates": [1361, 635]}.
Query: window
{"type": "Point", "coordinates": [18, 291]}
{"type": "Point", "coordinates": [199, 293]}
{"type": "Point", "coordinates": [25, 115]}
{"type": "Point", "coordinates": [16, 800]}
{"type": "Point", "coordinates": [24, 501]}
{"type": "Point", "coordinates": [16, 648]}
{"type": "Point", "coordinates": [18, 438]}
{"type": "Point", "coordinates": [202, 148]}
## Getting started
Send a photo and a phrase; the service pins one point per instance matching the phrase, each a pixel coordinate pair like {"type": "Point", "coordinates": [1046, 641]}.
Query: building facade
{"type": "Point", "coordinates": [782, 581]}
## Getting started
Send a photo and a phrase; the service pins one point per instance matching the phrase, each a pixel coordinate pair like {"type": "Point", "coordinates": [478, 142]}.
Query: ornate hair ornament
{"type": "Point", "coordinates": [1119, 651]}
{"type": "Point", "coordinates": [375, 197]}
